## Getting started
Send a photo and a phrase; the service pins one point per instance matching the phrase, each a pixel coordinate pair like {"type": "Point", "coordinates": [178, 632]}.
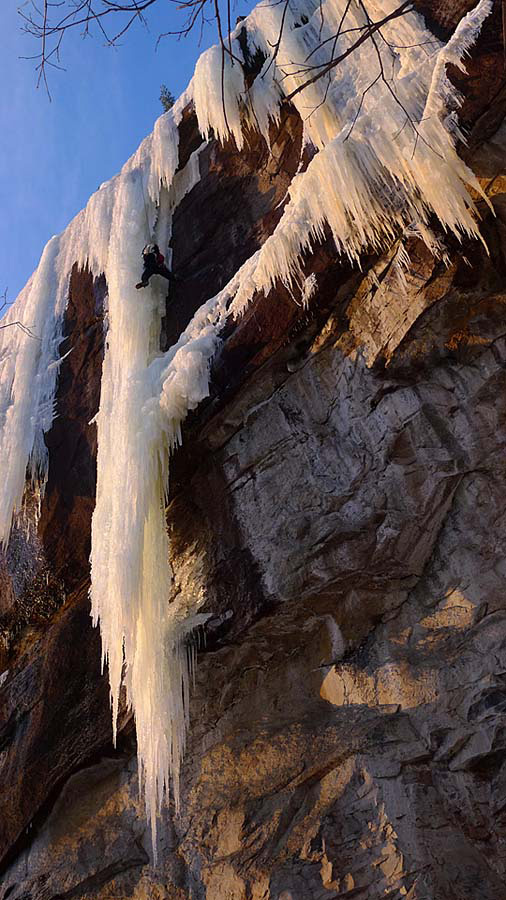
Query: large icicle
{"type": "Point", "coordinates": [386, 157]}
{"type": "Point", "coordinates": [27, 380]}
{"type": "Point", "coordinates": [130, 574]}
{"type": "Point", "coordinates": [442, 96]}
{"type": "Point", "coordinates": [130, 568]}
{"type": "Point", "coordinates": [29, 362]}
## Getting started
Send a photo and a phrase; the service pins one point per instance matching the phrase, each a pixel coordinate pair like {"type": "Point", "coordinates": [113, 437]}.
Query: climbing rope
{"type": "Point", "coordinates": [148, 227]}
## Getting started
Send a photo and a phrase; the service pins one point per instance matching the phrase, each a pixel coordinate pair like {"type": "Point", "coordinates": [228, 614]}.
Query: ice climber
{"type": "Point", "coordinates": [154, 264]}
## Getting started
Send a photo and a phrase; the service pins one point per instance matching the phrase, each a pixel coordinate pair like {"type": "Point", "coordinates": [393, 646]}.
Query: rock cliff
{"type": "Point", "coordinates": [339, 503]}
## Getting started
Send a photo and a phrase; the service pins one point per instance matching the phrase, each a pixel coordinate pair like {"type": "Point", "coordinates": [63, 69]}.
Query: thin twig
{"type": "Point", "coordinates": [278, 42]}
{"type": "Point", "coordinates": [326, 67]}
{"type": "Point", "coordinates": [218, 22]}
{"type": "Point", "coordinates": [391, 91]}
{"type": "Point", "coordinates": [378, 76]}
{"type": "Point", "coordinates": [23, 328]}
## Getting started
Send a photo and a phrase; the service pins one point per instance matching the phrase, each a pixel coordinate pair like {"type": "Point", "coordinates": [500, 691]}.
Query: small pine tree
{"type": "Point", "coordinates": [167, 99]}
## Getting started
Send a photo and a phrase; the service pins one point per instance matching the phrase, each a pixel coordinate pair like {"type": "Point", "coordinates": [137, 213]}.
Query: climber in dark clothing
{"type": "Point", "coordinates": [154, 264]}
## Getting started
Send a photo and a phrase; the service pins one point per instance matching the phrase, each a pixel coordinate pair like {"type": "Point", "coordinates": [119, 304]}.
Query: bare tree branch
{"type": "Point", "coordinates": [39, 24]}
{"type": "Point", "coordinates": [359, 108]}
{"type": "Point", "coordinates": [409, 118]}
{"type": "Point", "coordinates": [24, 328]}
{"type": "Point", "coordinates": [278, 42]}
{"type": "Point", "coordinates": [50, 21]}
{"type": "Point", "coordinates": [326, 67]}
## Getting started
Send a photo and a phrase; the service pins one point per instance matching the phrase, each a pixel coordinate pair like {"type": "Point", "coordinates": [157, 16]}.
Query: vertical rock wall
{"type": "Point", "coordinates": [338, 504]}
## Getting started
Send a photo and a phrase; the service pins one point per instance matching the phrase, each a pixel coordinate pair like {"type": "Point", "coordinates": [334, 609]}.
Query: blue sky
{"type": "Point", "coordinates": [54, 155]}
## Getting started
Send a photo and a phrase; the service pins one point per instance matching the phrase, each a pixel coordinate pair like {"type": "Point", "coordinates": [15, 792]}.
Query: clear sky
{"type": "Point", "coordinates": [53, 156]}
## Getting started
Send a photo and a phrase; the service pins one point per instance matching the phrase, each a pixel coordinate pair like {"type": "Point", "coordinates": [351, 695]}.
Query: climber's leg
{"type": "Point", "coordinates": [158, 270]}
{"type": "Point", "coordinates": [164, 272]}
{"type": "Point", "coordinates": [146, 275]}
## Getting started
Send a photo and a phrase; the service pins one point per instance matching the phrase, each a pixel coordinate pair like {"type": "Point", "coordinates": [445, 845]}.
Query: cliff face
{"type": "Point", "coordinates": [338, 502]}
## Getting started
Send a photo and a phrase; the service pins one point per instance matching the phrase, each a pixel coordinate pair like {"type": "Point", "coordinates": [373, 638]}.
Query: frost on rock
{"type": "Point", "coordinates": [383, 127]}
{"type": "Point", "coordinates": [309, 288]}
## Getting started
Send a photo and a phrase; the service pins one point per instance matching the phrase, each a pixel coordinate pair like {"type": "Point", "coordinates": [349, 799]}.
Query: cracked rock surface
{"type": "Point", "coordinates": [339, 503]}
